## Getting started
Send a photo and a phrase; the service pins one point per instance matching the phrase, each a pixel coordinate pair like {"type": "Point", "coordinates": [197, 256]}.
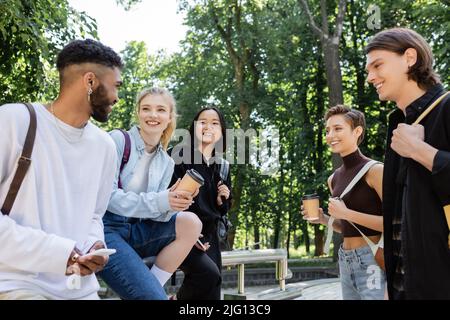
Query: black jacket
{"type": "Point", "coordinates": [205, 203]}
{"type": "Point", "coordinates": [416, 196]}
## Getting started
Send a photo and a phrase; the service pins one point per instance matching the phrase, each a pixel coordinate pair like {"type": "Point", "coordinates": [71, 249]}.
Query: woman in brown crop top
{"type": "Point", "coordinates": [361, 278]}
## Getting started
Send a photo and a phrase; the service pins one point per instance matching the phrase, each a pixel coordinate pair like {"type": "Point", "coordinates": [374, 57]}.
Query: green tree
{"type": "Point", "coordinates": [261, 64]}
{"type": "Point", "coordinates": [31, 33]}
{"type": "Point", "coordinates": [136, 75]}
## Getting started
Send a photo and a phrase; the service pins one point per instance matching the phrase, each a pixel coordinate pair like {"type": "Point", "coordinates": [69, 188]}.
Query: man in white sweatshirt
{"type": "Point", "coordinates": [57, 216]}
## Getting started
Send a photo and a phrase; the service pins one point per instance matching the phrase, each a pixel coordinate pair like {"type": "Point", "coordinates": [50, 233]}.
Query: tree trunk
{"type": "Point", "coordinates": [318, 241]}
{"type": "Point", "coordinates": [306, 237]}
{"type": "Point", "coordinates": [360, 72]}
{"type": "Point", "coordinates": [333, 72]}
{"type": "Point", "coordinates": [256, 235]}
{"type": "Point", "coordinates": [291, 229]}
{"type": "Point", "coordinates": [236, 204]}
{"type": "Point", "coordinates": [279, 210]}
{"type": "Point", "coordinates": [239, 62]}
{"type": "Point", "coordinates": [330, 48]}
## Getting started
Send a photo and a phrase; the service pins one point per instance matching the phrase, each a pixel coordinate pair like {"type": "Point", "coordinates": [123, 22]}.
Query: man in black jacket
{"type": "Point", "coordinates": [416, 180]}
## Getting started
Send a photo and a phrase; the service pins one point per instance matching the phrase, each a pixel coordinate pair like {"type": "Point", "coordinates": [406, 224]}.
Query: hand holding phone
{"type": "Point", "coordinates": [101, 252]}
{"type": "Point", "coordinates": [201, 244]}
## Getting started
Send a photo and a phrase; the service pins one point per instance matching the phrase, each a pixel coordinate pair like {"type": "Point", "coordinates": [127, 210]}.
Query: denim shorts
{"type": "Point", "coordinates": [361, 277]}
{"type": "Point", "coordinates": [134, 239]}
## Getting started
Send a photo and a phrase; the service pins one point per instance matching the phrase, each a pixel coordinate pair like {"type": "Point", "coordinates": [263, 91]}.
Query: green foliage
{"type": "Point", "coordinates": [136, 75]}
{"type": "Point", "coordinates": [284, 87]}
{"type": "Point", "coordinates": [31, 33]}
{"type": "Point", "coordinates": [260, 63]}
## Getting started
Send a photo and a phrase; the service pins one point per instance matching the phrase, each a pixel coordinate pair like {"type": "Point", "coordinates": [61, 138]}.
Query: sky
{"type": "Point", "coordinates": [155, 22]}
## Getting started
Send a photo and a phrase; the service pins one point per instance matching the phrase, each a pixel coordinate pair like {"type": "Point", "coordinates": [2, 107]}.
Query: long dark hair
{"type": "Point", "coordinates": [223, 139]}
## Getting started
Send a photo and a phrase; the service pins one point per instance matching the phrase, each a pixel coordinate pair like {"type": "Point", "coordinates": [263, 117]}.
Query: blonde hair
{"type": "Point", "coordinates": [167, 134]}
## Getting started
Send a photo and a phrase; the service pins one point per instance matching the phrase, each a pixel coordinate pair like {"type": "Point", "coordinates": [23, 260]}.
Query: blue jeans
{"type": "Point", "coordinates": [125, 273]}
{"type": "Point", "coordinates": [361, 278]}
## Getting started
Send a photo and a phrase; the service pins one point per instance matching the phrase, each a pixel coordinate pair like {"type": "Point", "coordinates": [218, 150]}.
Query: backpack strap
{"type": "Point", "coordinates": [126, 153]}
{"type": "Point", "coordinates": [24, 162]}
{"type": "Point", "coordinates": [358, 177]}
{"type": "Point", "coordinates": [224, 169]}
{"type": "Point", "coordinates": [349, 187]}
{"type": "Point", "coordinates": [431, 107]}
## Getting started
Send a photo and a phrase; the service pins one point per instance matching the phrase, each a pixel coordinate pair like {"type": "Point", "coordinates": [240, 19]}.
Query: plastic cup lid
{"type": "Point", "coordinates": [196, 176]}
{"type": "Point", "coordinates": [310, 196]}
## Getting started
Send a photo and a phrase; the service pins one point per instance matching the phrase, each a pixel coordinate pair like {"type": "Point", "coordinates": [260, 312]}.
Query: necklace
{"type": "Point", "coordinates": [69, 138]}
{"type": "Point", "coordinates": [150, 147]}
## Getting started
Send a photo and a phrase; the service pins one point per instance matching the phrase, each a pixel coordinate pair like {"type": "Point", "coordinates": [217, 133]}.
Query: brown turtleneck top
{"type": "Point", "coordinates": [361, 198]}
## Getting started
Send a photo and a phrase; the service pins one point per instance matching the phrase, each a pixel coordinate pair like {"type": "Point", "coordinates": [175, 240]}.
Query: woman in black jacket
{"type": "Point", "coordinates": [203, 265]}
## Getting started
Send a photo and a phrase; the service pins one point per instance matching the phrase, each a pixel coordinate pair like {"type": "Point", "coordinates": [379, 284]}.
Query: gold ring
{"type": "Point", "coordinates": [75, 257]}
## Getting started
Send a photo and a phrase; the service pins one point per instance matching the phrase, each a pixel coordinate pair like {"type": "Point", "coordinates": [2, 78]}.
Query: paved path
{"type": "Point", "coordinates": [322, 289]}
{"type": "Point", "coordinates": [329, 291]}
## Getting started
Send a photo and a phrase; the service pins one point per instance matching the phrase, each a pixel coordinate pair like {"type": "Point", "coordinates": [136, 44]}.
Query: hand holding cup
{"type": "Point", "coordinates": [184, 190]}
{"type": "Point", "coordinates": [311, 210]}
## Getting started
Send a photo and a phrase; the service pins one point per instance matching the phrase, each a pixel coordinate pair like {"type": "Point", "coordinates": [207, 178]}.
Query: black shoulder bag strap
{"type": "Point", "coordinates": [23, 163]}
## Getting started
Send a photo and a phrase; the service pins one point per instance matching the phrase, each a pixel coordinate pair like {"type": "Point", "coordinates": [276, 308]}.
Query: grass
{"type": "Point", "coordinates": [300, 253]}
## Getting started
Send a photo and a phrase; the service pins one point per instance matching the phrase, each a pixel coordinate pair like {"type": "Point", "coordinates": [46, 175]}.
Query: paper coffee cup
{"type": "Point", "coordinates": [311, 206]}
{"type": "Point", "coordinates": [191, 181]}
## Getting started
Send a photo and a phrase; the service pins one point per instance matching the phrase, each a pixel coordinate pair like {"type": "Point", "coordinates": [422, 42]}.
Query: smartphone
{"type": "Point", "coordinates": [101, 252]}
{"type": "Point", "coordinates": [201, 244]}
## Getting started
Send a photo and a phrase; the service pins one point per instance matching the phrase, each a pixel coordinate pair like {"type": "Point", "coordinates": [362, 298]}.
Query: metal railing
{"type": "Point", "coordinates": [241, 257]}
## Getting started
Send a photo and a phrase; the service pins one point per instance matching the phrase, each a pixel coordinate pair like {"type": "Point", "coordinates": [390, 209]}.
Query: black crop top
{"type": "Point", "coordinates": [361, 198]}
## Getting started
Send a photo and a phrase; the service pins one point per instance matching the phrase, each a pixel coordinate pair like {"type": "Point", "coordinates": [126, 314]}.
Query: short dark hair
{"type": "Point", "coordinates": [398, 40]}
{"type": "Point", "coordinates": [88, 51]}
{"type": "Point", "coordinates": [354, 117]}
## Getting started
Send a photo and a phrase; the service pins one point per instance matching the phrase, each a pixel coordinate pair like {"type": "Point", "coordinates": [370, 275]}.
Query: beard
{"type": "Point", "coordinates": [100, 104]}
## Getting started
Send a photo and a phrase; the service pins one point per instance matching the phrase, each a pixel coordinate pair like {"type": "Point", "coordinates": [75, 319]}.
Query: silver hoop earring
{"type": "Point", "coordinates": [89, 94]}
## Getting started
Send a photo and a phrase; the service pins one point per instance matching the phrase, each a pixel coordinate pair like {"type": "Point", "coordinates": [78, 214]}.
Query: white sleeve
{"type": "Point", "coordinates": [33, 250]}
{"type": "Point", "coordinates": [24, 248]}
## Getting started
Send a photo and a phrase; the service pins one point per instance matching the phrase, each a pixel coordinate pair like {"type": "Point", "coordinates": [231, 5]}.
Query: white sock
{"type": "Point", "coordinates": [160, 274]}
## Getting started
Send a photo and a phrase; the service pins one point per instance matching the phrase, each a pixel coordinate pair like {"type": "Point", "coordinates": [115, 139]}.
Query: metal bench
{"type": "Point", "coordinates": [241, 257]}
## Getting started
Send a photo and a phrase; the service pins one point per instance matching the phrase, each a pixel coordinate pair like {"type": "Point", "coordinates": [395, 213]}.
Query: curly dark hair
{"type": "Point", "coordinates": [398, 40]}
{"type": "Point", "coordinates": [85, 51]}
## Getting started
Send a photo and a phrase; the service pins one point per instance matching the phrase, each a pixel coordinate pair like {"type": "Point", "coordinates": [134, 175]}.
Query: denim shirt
{"type": "Point", "coordinates": [153, 204]}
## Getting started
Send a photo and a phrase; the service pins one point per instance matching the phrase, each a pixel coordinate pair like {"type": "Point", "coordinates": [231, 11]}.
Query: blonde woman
{"type": "Point", "coordinates": [144, 217]}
